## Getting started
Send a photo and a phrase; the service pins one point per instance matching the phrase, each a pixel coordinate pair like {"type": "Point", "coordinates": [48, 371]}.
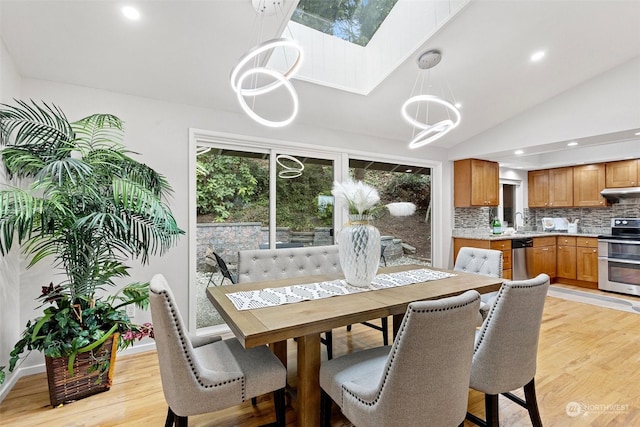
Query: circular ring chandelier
{"type": "Point", "coordinates": [283, 82]}
{"type": "Point", "coordinates": [430, 132]}
{"type": "Point", "coordinates": [257, 51]}
{"type": "Point", "coordinates": [289, 172]}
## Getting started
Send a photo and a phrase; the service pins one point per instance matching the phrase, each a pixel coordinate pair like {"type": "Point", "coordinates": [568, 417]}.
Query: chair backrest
{"type": "Point", "coordinates": [426, 376]}
{"type": "Point", "coordinates": [272, 264]}
{"type": "Point", "coordinates": [507, 344]}
{"type": "Point", "coordinates": [479, 261]}
{"type": "Point", "coordinates": [223, 268]}
{"type": "Point", "coordinates": [183, 376]}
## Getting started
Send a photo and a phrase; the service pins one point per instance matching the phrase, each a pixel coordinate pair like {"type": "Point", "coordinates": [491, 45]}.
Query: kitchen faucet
{"type": "Point", "coordinates": [525, 220]}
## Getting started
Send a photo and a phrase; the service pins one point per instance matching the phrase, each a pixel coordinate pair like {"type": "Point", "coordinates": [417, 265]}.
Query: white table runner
{"type": "Point", "coordinates": [270, 297]}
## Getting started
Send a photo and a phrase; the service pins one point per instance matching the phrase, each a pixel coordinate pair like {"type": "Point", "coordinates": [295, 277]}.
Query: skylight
{"type": "Point", "coordinates": [355, 21]}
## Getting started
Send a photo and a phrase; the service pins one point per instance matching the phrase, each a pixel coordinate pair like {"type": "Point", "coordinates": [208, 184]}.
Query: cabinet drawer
{"type": "Point", "coordinates": [544, 241]}
{"type": "Point", "coordinates": [501, 245]}
{"type": "Point", "coordinates": [587, 242]}
{"type": "Point", "coordinates": [566, 241]}
{"type": "Point", "coordinates": [506, 260]}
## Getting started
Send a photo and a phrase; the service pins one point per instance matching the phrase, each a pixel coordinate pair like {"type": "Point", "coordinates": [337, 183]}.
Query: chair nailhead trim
{"type": "Point", "coordinates": [394, 350]}
{"type": "Point", "coordinates": [188, 356]}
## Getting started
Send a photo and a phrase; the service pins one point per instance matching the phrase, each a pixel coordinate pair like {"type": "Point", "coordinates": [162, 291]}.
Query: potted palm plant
{"type": "Point", "coordinates": [87, 207]}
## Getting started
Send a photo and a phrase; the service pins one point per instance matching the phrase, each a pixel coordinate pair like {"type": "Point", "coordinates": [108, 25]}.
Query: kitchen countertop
{"type": "Point", "coordinates": [480, 234]}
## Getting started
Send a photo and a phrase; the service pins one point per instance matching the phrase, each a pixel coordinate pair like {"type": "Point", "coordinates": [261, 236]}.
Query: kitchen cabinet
{"type": "Point", "coordinates": [588, 182]}
{"type": "Point", "coordinates": [544, 256]}
{"type": "Point", "coordinates": [566, 257]}
{"type": "Point", "coordinates": [505, 247]}
{"type": "Point", "coordinates": [539, 189]}
{"type": "Point", "coordinates": [587, 259]}
{"type": "Point", "coordinates": [551, 188]}
{"type": "Point", "coordinates": [622, 174]}
{"type": "Point", "coordinates": [500, 245]}
{"type": "Point", "coordinates": [475, 183]}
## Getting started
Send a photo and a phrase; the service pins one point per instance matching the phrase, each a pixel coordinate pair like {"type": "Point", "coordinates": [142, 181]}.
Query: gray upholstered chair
{"type": "Point", "coordinates": [487, 262]}
{"type": "Point", "coordinates": [422, 379]}
{"type": "Point", "coordinates": [479, 261]}
{"type": "Point", "coordinates": [200, 376]}
{"type": "Point", "coordinates": [506, 348]}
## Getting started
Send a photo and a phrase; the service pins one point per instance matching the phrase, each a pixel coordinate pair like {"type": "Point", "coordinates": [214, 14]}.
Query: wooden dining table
{"type": "Point", "coordinates": [306, 320]}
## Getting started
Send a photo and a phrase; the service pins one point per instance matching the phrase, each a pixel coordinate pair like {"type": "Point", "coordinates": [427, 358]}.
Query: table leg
{"type": "Point", "coordinates": [309, 380]}
{"type": "Point", "coordinates": [397, 321]}
{"type": "Point", "coordinates": [280, 350]}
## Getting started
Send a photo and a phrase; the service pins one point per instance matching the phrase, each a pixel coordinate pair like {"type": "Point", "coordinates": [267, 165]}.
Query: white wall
{"type": "Point", "coordinates": [159, 132]}
{"type": "Point", "coordinates": [605, 104]}
{"type": "Point", "coordinates": [10, 323]}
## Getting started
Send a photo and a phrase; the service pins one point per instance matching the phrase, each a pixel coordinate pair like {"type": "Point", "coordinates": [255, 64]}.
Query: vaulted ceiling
{"type": "Point", "coordinates": [183, 51]}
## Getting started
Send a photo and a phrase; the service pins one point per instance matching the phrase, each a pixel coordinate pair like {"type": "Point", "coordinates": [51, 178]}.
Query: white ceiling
{"type": "Point", "coordinates": [183, 51]}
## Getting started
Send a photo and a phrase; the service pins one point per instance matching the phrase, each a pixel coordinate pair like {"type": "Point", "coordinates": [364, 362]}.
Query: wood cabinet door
{"type": "Point", "coordinates": [491, 178]}
{"type": "Point", "coordinates": [588, 182]}
{"type": "Point", "coordinates": [475, 183]}
{"type": "Point", "coordinates": [566, 262]}
{"type": "Point", "coordinates": [485, 182]}
{"type": "Point", "coordinates": [544, 260]}
{"type": "Point", "coordinates": [561, 187]}
{"type": "Point", "coordinates": [538, 189]}
{"type": "Point", "coordinates": [587, 264]}
{"type": "Point", "coordinates": [622, 174]}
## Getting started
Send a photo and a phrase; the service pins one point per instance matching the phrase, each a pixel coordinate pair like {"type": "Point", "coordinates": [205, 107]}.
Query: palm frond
{"type": "Point", "coordinates": [45, 127]}
{"type": "Point", "coordinates": [98, 131]}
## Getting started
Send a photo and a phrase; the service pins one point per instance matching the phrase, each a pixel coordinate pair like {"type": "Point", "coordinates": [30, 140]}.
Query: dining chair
{"type": "Point", "coordinates": [224, 270]}
{"type": "Point", "coordinates": [422, 379]}
{"type": "Point", "coordinates": [206, 375]}
{"type": "Point", "coordinates": [487, 262]}
{"type": "Point", "coordinates": [506, 348]}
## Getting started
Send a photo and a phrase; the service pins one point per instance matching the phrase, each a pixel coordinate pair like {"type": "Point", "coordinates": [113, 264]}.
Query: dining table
{"type": "Point", "coordinates": [305, 321]}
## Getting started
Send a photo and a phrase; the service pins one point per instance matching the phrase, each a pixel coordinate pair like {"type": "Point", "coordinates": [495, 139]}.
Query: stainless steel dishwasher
{"type": "Point", "coordinates": [522, 258]}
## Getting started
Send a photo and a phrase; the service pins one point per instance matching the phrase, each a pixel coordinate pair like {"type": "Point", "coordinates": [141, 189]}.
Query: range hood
{"type": "Point", "coordinates": [620, 193]}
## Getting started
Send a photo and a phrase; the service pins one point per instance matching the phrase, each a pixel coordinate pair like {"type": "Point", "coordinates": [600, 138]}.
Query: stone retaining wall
{"type": "Point", "coordinates": [226, 239]}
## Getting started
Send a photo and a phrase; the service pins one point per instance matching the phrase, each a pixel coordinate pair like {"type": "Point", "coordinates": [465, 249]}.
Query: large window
{"type": "Point", "coordinates": [237, 193]}
{"type": "Point", "coordinates": [256, 194]}
{"type": "Point", "coordinates": [405, 239]}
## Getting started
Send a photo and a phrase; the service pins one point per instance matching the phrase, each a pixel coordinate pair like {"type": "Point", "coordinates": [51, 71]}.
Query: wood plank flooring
{"type": "Point", "coordinates": [588, 355]}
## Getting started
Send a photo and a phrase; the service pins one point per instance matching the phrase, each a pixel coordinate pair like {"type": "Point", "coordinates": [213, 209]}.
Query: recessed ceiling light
{"type": "Point", "coordinates": [518, 152]}
{"type": "Point", "coordinates": [637, 133]}
{"type": "Point", "coordinates": [131, 13]}
{"type": "Point", "coordinates": [572, 144]}
{"type": "Point", "coordinates": [537, 56]}
{"type": "Point", "coordinates": [458, 106]}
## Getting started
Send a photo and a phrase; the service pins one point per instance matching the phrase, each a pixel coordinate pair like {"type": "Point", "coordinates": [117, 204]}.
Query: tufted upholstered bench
{"type": "Point", "coordinates": [257, 265]}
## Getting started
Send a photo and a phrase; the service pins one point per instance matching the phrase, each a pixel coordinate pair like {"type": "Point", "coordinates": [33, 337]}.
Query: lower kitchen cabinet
{"type": "Point", "coordinates": [544, 256]}
{"type": "Point", "coordinates": [566, 257]}
{"type": "Point", "coordinates": [587, 259]}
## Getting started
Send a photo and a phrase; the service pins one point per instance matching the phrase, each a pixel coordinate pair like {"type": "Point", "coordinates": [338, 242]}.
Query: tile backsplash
{"type": "Point", "coordinates": [592, 220]}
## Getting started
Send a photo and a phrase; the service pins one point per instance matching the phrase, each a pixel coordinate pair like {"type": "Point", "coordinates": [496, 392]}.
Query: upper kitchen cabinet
{"type": "Point", "coordinates": [551, 188]}
{"type": "Point", "coordinates": [475, 183]}
{"type": "Point", "coordinates": [588, 182]}
{"type": "Point", "coordinates": [622, 174]}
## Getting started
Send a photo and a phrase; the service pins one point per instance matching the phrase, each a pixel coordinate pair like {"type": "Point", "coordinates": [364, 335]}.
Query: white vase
{"type": "Point", "coordinates": [359, 250]}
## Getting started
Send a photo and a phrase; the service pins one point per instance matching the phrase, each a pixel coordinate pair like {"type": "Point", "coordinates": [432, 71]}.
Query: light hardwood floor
{"type": "Point", "coordinates": [588, 355]}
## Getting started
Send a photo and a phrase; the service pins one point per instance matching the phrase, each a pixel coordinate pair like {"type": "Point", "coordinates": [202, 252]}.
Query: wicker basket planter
{"type": "Point", "coordinates": [86, 380]}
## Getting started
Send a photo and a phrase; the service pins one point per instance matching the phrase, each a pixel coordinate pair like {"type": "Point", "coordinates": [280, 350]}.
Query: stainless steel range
{"type": "Point", "coordinates": [619, 257]}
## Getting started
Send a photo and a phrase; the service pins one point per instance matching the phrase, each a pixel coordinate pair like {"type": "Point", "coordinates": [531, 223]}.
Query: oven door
{"type": "Point", "coordinates": [619, 266]}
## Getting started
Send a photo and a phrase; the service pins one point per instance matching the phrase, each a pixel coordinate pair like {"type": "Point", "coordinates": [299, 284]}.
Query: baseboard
{"type": "Point", "coordinates": [19, 372]}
